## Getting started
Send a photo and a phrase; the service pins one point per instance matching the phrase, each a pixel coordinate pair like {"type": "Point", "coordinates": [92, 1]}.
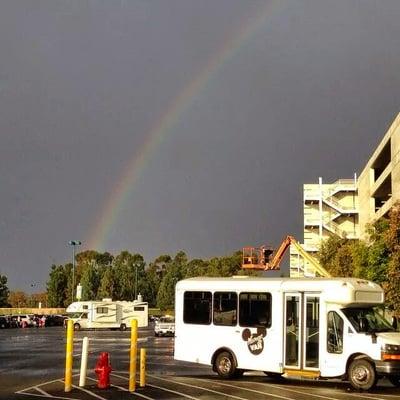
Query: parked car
{"type": "Point", "coordinates": [4, 323]}
{"type": "Point", "coordinates": [12, 321]}
{"type": "Point", "coordinates": [165, 326]}
{"type": "Point", "coordinates": [55, 320]}
{"type": "Point", "coordinates": [23, 319]}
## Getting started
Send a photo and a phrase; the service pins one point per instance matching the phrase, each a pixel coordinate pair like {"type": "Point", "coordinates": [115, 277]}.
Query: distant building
{"type": "Point", "coordinates": [345, 207]}
{"type": "Point", "coordinates": [379, 182]}
{"type": "Point", "coordinates": [329, 209]}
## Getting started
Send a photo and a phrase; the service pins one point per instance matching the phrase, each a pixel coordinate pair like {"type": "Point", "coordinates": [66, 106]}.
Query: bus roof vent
{"type": "Point", "coordinates": [106, 299]}
{"type": "Point", "coordinates": [240, 276]}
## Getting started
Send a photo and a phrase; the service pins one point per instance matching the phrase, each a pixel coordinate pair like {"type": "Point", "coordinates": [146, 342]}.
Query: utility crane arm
{"type": "Point", "coordinates": [259, 258]}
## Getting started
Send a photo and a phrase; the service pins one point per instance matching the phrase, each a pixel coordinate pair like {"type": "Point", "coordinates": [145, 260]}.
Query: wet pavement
{"type": "Point", "coordinates": [32, 366]}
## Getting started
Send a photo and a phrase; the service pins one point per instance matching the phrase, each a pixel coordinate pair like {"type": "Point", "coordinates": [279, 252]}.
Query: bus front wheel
{"type": "Point", "coordinates": [77, 327]}
{"type": "Point", "coordinates": [362, 374]}
{"type": "Point", "coordinates": [225, 365]}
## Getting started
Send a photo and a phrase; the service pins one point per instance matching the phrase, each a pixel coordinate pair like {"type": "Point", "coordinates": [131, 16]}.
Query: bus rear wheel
{"type": "Point", "coordinates": [225, 365]}
{"type": "Point", "coordinates": [77, 327]}
{"type": "Point", "coordinates": [362, 374]}
{"type": "Point", "coordinates": [122, 327]}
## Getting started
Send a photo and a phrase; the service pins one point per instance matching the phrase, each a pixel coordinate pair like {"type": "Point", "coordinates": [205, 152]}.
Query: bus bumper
{"type": "Point", "coordinates": [388, 367]}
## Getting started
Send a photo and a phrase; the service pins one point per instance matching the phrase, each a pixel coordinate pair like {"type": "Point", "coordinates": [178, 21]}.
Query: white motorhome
{"type": "Point", "coordinates": [315, 328]}
{"type": "Point", "coordinates": [107, 314]}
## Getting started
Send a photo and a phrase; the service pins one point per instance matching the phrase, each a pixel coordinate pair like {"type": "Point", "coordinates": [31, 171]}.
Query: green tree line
{"type": "Point", "coordinates": [124, 276]}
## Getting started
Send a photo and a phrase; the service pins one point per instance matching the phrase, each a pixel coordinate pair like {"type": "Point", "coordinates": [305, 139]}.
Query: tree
{"type": "Point", "coordinates": [90, 282]}
{"type": "Point", "coordinates": [196, 267]}
{"type": "Point", "coordinates": [18, 299]}
{"type": "Point", "coordinates": [128, 269]}
{"type": "Point", "coordinates": [36, 298]}
{"type": "Point", "coordinates": [333, 253]}
{"type": "Point", "coordinates": [392, 237]}
{"type": "Point", "coordinates": [107, 288]}
{"type": "Point", "coordinates": [174, 273]}
{"type": "Point", "coordinates": [375, 269]}
{"type": "Point", "coordinates": [58, 290]}
{"type": "Point", "coordinates": [4, 292]}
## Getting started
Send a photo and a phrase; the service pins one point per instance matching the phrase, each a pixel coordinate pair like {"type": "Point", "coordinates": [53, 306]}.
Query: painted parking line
{"type": "Point", "coordinates": [162, 388]}
{"type": "Point", "coordinates": [127, 390]}
{"type": "Point", "coordinates": [232, 386]}
{"type": "Point", "coordinates": [308, 393]}
{"type": "Point", "coordinates": [42, 391]}
{"type": "Point", "coordinates": [196, 387]}
{"type": "Point", "coordinates": [52, 397]}
{"type": "Point", "coordinates": [287, 389]}
{"type": "Point", "coordinates": [89, 392]}
{"type": "Point", "coordinates": [340, 393]}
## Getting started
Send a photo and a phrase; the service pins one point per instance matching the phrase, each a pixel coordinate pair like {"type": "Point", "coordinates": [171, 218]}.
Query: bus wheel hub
{"type": "Point", "coordinates": [361, 374]}
{"type": "Point", "coordinates": [225, 365]}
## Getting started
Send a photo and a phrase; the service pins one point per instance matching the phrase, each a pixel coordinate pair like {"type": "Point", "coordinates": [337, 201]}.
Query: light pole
{"type": "Point", "coordinates": [136, 282]}
{"type": "Point", "coordinates": [73, 243]}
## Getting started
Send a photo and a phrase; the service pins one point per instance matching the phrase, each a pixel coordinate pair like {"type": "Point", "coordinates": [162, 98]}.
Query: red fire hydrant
{"type": "Point", "coordinates": [103, 370]}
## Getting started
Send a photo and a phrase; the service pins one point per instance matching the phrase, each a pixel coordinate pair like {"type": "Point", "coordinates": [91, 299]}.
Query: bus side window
{"type": "Point", "coordinates": [225, 308]}
{"type": "Point", "coordinates": [255, 309]}
{"type": "Point", "coordinates": [334, 333]}
{"type": "Point", "coordinates": [197, 308]}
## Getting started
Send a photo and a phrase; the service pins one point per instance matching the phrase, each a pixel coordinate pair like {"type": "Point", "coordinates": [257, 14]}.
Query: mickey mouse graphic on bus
{"type": "Point", "coordinates": [255, 341]}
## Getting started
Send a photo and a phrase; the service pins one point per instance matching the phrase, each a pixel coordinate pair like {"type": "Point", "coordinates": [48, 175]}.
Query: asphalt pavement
{"type": "Point", "coordinates": [32, 366]}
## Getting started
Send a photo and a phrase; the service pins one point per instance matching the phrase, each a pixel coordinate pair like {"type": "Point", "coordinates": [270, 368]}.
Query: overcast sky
{"type": "Point", "coordinates": [287, 91]}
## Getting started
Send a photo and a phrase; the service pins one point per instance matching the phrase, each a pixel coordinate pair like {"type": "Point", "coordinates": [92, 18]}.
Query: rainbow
{"type": "Point", "coordinates": [125, 185]}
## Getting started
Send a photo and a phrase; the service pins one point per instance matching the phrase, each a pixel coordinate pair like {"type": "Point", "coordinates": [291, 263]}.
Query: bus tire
{"type": "Point", "coordinates": [122, 327]}
{"type": "Point", "coordinates": [225, 365]}
{"type": "Point", "coordinates": [362, 374]}
{"type": "Point", "coordinates": [77, 327]}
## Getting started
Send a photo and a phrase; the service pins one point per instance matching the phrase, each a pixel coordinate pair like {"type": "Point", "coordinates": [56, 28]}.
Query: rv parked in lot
{"type": "Point", "coordinates": [107, 314]}
{"type": "Point", "coordinates": [315, 328]}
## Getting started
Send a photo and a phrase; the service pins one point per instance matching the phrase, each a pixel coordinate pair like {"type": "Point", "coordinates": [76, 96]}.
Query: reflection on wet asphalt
{"type": "Point", "coordinates": [32, 366]}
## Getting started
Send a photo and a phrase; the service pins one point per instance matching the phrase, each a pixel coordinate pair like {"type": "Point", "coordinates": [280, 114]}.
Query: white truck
{"type": "Point", "coordinates": [165, 326]}
{"type": "Point", "coordinates": [315, 328]}
{"type": "Point", "coordinates": [107, 314]}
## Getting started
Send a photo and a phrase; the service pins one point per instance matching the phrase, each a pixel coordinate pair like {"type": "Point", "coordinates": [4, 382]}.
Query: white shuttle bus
{"type": "Point", "coordinates": [315, 328]}
{"type": "Point", "coordinates": [107, 314]}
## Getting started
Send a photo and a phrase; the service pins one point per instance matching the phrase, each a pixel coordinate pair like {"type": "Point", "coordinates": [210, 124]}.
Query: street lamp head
{"type": "Point", "coordinates": [74, 242]}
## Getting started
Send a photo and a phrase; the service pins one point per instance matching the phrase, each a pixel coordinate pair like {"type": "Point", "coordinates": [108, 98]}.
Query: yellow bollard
{"type": "Point", "coordinates": [68, 356]}
{"type": "Point", "coordinates": [142, 367]}
{"type": "Point", "coordinates": [132, 359]}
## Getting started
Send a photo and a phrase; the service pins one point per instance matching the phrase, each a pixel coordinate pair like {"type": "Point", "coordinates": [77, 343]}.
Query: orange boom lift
{"type": "Point", "coordinates": [264, 258]}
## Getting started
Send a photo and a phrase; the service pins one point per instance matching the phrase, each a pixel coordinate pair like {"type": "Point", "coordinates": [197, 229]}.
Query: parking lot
{"type": "Point", "coordinates": [32, 366]}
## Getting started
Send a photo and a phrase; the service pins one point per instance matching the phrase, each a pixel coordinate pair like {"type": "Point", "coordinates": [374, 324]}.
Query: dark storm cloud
{"type": "Point", "coordinates": [81, 83]}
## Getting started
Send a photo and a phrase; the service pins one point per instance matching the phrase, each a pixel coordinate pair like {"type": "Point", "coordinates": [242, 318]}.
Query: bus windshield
{"type": "Point", "coordinates": [373, 320]}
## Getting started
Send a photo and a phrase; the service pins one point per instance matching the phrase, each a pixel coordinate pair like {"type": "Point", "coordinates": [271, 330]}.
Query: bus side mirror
{"type": "Point", "coordinates": [364, 326]}
{"type": "Point", "coordinates": [394, 322]}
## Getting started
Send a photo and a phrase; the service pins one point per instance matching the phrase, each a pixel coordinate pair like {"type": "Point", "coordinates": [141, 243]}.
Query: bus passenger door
{"type": "Point", "coordinates": [301, 335]}
{"type": "Point", "coordinates": [292, 343]}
